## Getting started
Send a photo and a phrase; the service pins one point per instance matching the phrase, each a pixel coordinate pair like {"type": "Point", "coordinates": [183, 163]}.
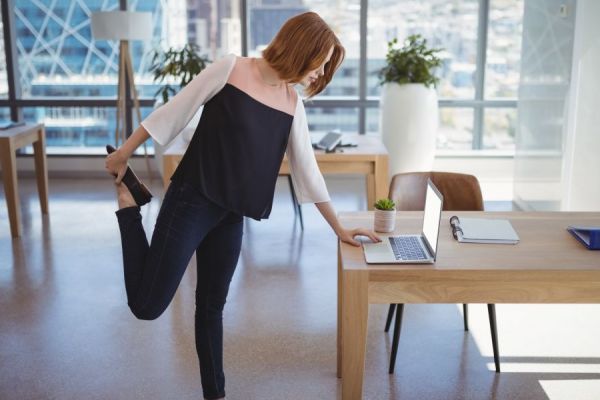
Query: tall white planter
{"type": "Point", "coordinates": [409, 123]}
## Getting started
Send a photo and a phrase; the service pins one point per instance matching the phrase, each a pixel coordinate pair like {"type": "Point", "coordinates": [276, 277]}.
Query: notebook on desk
{"type": "Point", "coordinates": [483, 230]}
{"type": "Point", "coordinates": [411, 249]}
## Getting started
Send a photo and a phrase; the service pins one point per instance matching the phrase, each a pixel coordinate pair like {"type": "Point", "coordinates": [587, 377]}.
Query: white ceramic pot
{"type": "Point", "coordinates": [409, 124]}
{"type": "Point", "coordinates": [384, 220]}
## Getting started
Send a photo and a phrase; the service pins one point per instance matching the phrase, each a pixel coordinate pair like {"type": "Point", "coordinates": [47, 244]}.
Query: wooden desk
{"type": "Point", "coordinates": [369, 158]}
{"type": "Point", "coordinates": [11, 140]}
{"type": "Point", "coordinates": [547, 266]}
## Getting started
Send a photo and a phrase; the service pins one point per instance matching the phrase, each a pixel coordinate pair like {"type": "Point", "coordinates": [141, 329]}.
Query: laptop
{"type": "Point", "coordinates": [411, 249]}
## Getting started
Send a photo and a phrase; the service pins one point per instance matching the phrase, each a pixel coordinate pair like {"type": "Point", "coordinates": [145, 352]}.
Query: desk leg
{"type": "Point", "coordinates": [9, 176]}
{"type": "Point", "coordinates": [377, 182]}
{"type": "Point", "coordinates": [355, 310]}
{"type": "Point", "coordinates": [382, 177]}
{"type": "Point", "coordinates": [339, 313]}
{"type": "Point", "coordinates": [371, 191]}
{"type": "Point", "coordinates": [41, 169]}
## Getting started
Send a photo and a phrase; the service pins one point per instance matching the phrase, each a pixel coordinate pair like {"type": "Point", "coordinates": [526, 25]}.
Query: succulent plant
{"type": "Point", "coordinates": [385, 205]}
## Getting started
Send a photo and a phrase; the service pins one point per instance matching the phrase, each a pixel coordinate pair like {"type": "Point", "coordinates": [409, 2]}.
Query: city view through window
{"type": "Point", "coordinates": [57, 58]}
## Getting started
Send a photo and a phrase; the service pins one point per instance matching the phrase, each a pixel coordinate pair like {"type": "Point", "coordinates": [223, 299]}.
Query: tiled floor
{"type": "Point", "coordinates": [66, 331]}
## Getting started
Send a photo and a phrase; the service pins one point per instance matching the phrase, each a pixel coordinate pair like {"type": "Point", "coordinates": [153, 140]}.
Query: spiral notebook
{"type": "Point", "coordinates": [483, 230]}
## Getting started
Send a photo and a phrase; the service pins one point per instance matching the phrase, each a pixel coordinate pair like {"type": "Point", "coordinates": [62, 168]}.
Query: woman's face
{"type": "Point", "coordinates": [316, 73]}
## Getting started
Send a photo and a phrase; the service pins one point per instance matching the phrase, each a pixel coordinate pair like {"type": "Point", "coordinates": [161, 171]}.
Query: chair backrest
{"type": "Point", "coordinates": [461, 191]}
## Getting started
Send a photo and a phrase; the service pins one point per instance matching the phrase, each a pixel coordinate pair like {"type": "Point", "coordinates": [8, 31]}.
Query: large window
{"type": "Point", "coordinates": [502, 73]}
{"type": "Point", "coordinates": [500, 126]}
{"type": "Point", "coordinates": [57, 56]}
{"type": "Point", "coordinates": [59, 60]}
{"type": "Point", "coordinates": [74, 129]}
{"type": "Point", "coordinates": [451, 25]}
{"type": "Point", "coordinates": [480, 71]}
{"type": "Point", "coordinates": [69, 80]}
{"type": "Point", "coordinates": [332, 118]}
{"type": "Point", "coordinates": [503, 49]}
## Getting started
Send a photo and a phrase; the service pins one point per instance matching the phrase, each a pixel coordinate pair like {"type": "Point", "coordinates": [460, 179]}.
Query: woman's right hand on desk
{"type": "Point", "coordinates": [116, 165]}
{"type": "Point", "coordinates": [347, 235]}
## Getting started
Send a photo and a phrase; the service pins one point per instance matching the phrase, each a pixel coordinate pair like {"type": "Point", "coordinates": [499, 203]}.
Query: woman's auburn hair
{"type": "Point", "coordinates": [302, 45]}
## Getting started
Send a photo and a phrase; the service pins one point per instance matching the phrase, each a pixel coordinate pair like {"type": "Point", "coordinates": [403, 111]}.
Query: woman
{"type": "Point", "coordinates": [252, 116]}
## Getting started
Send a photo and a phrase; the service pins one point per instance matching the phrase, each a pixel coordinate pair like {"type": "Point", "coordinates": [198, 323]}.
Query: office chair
{"type": "Point", "coordinates": [461, 193]}
{"type": "Point", "coordinates": [295, 203]}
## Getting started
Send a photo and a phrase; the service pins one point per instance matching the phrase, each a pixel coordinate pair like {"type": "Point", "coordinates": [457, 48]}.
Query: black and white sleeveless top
{"type": "Point", "coordinates": [245, 129]}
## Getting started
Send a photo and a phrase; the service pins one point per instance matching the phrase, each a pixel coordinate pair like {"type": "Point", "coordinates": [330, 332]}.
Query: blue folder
{"type": "Point", "coordinates": [588, 235]}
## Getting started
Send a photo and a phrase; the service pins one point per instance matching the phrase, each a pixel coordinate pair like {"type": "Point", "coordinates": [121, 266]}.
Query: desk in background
{"type": "Point", "coordinates": [10, 140]}
{"type": "Point", "coordinates": [369, 158]}
{"type": "Point", "coordinates": [547, 266]}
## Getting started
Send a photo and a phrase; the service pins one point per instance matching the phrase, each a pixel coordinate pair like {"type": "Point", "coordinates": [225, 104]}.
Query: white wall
{"type": "Point", "coordinates": [581, 168]}
{"type": "Point", "coordinates": [546, 54]}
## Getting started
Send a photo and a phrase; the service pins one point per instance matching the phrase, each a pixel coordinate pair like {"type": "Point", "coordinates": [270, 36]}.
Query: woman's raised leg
{"type": "Point", "coordinates": [153, 271]}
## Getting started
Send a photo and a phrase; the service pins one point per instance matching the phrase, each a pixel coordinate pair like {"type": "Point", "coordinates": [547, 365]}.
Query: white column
{"type": "Point", "coordinates": [581, 168]}
{"type": "Point", "coordinates": [546, 59]}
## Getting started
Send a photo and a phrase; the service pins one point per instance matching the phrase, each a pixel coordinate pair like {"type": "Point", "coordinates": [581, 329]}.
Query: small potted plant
{"type": "Point", "coordinates": [409, 104]}
{"type": "Point", "coordinates": [385, 215]}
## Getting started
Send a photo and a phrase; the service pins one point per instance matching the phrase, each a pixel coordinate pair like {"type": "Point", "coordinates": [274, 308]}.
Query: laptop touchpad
{"type": "Point", "coordinates": [378, 248]}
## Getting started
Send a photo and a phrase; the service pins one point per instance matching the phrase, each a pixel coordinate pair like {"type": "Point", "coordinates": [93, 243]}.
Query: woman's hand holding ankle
{"type": "Point", "coordinates": [116, 164]}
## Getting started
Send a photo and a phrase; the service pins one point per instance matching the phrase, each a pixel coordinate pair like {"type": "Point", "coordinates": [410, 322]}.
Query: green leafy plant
{"type": "Point", "coordinates": [385, 205]}
{"type": "Point", "coordinates": [182, 64]}
{"type": "Point", "coordinates": [412, 63]}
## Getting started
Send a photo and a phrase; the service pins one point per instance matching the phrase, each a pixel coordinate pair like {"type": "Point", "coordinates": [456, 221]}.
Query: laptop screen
{"type": "Point", "coordinates": [431, 217]}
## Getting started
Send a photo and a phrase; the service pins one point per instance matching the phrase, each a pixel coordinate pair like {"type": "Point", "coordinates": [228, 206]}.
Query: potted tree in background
{"type": "Point", "coordinates": [409, 105]}
{"type": "Point", "coordinates": [176, 68]}
{"type": "Point", "coordinates": [180, 65]}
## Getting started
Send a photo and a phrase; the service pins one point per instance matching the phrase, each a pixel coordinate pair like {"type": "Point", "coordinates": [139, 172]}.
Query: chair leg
{"type": "Point", "coordinates": [466, 316]}
{"type": "Point", "coordinates": [397, 327]}
{"type": "Point", "coordinates": [292, 193]}
{"type": "Point", "coordinates": [388, 322]}
{"type": "Point", "coordinates": [492, 315]}
{"type": "Point", "coordinates": [300, 215]}
{"type": "Point", "coordinates": [297, 206]}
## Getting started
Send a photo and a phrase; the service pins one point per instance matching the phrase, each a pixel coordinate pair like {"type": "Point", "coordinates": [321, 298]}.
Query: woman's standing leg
{"type": "Point", "coordinates": [153, 271]}
{"type": "Point", "coordinates": [217, 257]}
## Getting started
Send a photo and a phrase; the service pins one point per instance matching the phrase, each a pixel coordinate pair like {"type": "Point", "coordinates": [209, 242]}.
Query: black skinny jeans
{"type": "Point", "coordinates": [187, 222]}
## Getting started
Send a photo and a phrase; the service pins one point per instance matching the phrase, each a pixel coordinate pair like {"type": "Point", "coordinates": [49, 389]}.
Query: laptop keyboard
{"type": "Point", "coordinates": [407, 248]}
